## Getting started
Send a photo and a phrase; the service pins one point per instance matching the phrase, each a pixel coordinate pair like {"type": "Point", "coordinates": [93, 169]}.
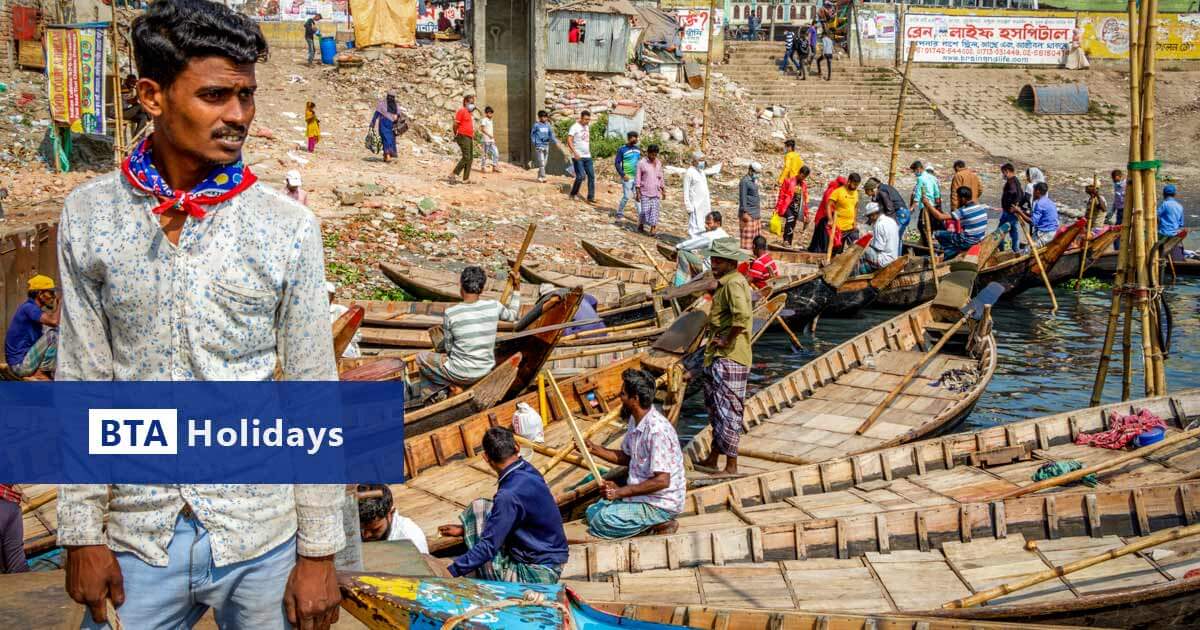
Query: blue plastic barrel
{"type": "Point", "coordinates": [328, 50]}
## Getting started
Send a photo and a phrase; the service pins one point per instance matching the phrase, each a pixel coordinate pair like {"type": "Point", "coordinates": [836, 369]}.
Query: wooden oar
{"type": "Point", "coordinates": [933, 258]}
{"type": "Point", "coordinates": [791, 335]}
{"type": "Point", "coordinates": [611, 329]}
{"type": "Point", "coordinates": [653, 265]}
{"type": "Point", "coordinates": [1071, 567]}
{"type": "Point", "coordinates": [779, 458]}
{"type": "Point", "coordinates": [986, 297]}
{"type": "Point", "coordinates": [1037, 258]}
{"type": "Point", "coordinates": [580, 441]}
{"type": "Point", "coordinates": [1083, 472]}
{"type": "Point", "coordinates": [515, 272]}
{"type": "Point", "coordinates": [1087, 235]}
{"type": "Point", "coordinates": [597, 351]}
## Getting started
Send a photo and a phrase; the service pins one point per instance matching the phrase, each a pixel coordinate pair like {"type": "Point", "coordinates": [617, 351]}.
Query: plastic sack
{"type": "Point", "coordinates": [527, 423]}
{"type": "Point", "coordinates": [373, 142]}
{"type": "Point", "coordinates": [776, 225]}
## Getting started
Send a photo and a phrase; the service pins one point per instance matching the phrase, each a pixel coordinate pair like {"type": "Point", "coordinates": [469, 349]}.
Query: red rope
{"type": "Point", "coordinates": [1122, 430]}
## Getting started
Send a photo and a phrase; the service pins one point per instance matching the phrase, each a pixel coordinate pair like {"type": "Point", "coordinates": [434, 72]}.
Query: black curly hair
{"type": "Point", "coordinates": [171, 33]}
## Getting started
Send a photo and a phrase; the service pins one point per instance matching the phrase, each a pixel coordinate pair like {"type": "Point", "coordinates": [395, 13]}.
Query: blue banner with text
{"type": "Point", "coordinates": [202, 432]}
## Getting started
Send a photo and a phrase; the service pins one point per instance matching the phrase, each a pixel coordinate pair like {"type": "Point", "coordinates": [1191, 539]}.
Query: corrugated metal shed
{"type": "Point", "coordinates": [605, 45]}
{"type": "Point", "coordinates": [1066, 98]}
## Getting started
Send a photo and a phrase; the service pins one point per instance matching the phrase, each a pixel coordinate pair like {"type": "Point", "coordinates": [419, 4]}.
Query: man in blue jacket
{"type": "Point", "coordinates": [517, 536]}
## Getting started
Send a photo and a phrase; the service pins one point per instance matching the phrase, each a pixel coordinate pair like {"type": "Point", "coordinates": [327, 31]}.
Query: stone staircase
{"type": "Point", "coordinates": [857, 104]}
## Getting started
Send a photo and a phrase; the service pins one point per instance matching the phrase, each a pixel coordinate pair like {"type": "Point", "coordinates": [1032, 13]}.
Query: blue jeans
{"type": "Point", "coordinates": [312, 48]}
{"type": "Point", "coordinates": [247, 594]}
{"type": "Point", "coordinates": [952, 243]}
{"type": "Point", "coordinates": [1014, 231]}
{"type": "Point", "coordinates": [582, 166]}
{"type": "Point", "coordinates": [903, 218]}
{"type": "Point", "coordinates": [627, 195]}
{"type": "Point", "coordinates": [787, 58]}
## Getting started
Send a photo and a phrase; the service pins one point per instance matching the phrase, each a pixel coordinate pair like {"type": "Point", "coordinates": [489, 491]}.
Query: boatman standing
{"type": "Point", "coordinates": [727, 356]}
{"type": "Point", "coordinates": [181, 266]}
{"type": "Point", "coordinates": [517, 536]}
{"type": "Point", "coordinates": [653, 494]}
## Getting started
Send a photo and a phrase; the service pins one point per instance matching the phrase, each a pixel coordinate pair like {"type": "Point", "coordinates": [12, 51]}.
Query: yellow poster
{"type": "Point", "coordinates": [1106, 35]}
{"type": "Point", "coordinates": [56, 74]}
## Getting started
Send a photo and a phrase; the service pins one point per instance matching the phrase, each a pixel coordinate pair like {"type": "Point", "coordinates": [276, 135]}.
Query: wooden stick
{"type": "Point", "coordinates": [542, 449]}
{"type": "Point", "coordinates": [912, 372]}
{"type": "Point", "coordinates": [779, 458]}
{"type": "Point", "coordinates": [912, 50]}
{"type": "Point", "coordinates": [1071, 567]}
{"type": "Point", "coordinates": [1037, 258]}
{"type": "Point", "coordinates": [594, 285]}
{"type": "Point", "coordinates": [515, 272]}
{"type": "Point", "coordinates": [1087, 235]}
{"type": "Point", "coordinates": [580, 441]}
{"type": "Point", "coordinates": [604, 421]}
{"type": "Point", "coordinates": [543, 404]}
{"type": "Point", "coordinates": [791, 335]}
{"type": "Point", "coordinates": [653, 265]}
{"type": "Point", "coordinates": [633, 345]}
{"type": "Point", "coordinates": [39, 501]}
{"type": "Point", "coordinates": [933, 258]}
{"type": "Point", "coordinates": [829, 227]}
{"type": "Point", "coordinates": [611, 329]}
{"type": "Point", "coordinates": [1083, 472]}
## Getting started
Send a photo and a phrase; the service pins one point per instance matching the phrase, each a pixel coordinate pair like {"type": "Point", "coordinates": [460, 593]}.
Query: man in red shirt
{"type": "Point", "coordinates": [762, 268]}
{"type": "Point", "coordinates": [464, 136]}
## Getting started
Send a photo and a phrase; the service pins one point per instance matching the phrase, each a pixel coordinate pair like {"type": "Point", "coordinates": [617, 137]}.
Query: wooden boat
{"type": "Point", "coordinates": [1137, 591]}
{"type": "Point", "coordinates": [862, 290]}
{"type": "Point", "coordinates": [414, 315]}
{"type": "Point", "coordinates": [810, 295]}
{"type": "Point", "coordinates": [442, 286]}
{"type": "Point", "coordinates": [39, 516]}
{"type": "Point", "coordinates": [1067, 265]}
{"type": "Point", "coordinates": [392, 602]}
{"type": "Point", "coordinates": [919, 496]}
{"type": "Point", "coordinates": [819, 411]}
{"type": "Point", "coordinates": [611, 257]}
{"type": "Point", "coordinates": [538, 333]}
{"type": "Point", "coordinates": [1011, 269]}
{"type": "Point", "coordinates": [443, 476]}
{"type": "Point", "coordinates": [571, 361]}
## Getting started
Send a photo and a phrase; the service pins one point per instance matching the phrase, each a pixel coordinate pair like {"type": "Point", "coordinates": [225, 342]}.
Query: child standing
{"type": "Point", "coordinates": [487, 133]}
{"type": "Point", "coordinates": [312, 126]}
{"type": "Point", "coordinates": [541, 135]}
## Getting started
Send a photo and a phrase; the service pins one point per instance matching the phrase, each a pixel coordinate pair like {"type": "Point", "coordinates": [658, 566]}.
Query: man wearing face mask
{"type": "Point", "coordinates": [695, 195]}
{"type": "Point", "coordinates": [181, 266]}
{"type": "Point", "coordinates": [464, 136]}
{"type": "Point", "coordinates": [749, 221]}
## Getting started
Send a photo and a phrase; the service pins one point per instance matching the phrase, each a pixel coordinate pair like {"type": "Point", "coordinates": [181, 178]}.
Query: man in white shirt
{"type": "Point", "coordinates": [379, 520]}
{"type": "Point", "coordinates": [695, 195]}
{"type": "Point", "coordinates": [688, 262]}
{"type": "Point", "coordinates": [579, 143]}
{"type": "Point", "coordinates": [885, 243]}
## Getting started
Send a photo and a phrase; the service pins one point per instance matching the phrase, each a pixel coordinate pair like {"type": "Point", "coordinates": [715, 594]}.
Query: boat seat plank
{"type": "Point", "coordinates": [844, 585]}
{"type": "Point", "coordinates": [989, 562]}
{"type": "Point", "coordinates": [1181, 556]}
{"type": "Point", "coordinates": [777, 514]}
{"type": "Point", "coordinates": [965, 484]}
{"type": "Point", "coordinates": [1124, 572]}
{"type": "Point", "coordinates": [917, 585]}
{"type": "Point", "coordinates": [754, 586]}
{"type": "Point", "coordinates": [924, 384]}
{"type": "Point", "coordinates": [433, 510]}
{"type": "Point", "coordinates": [593, 591]}
{"type": "Point", "coordinates": [661, 585]}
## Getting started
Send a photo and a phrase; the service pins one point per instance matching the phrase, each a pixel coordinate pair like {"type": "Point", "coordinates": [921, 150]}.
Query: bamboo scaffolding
{"type": "Point", "coordinates": [1137, 281]}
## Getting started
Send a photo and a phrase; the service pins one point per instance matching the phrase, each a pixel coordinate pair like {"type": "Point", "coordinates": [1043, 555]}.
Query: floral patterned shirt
{"type": "Point", "coordinates": [243, 289]}
{"type": "Point", "coordinates": [653, 447]}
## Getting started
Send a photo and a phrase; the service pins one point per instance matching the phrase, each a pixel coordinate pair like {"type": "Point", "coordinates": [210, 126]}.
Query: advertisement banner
{"type": "Point", "coordinates": [695, 25]}
{"type": "Point", "coordinates": [75, 71]}
{"type": "Point", "coordinates": [202, 432]}
{"type": "Point", "coordinates": [1025, 40]}
{"type": "Point", "coordinates": [1106, 35]}
{"type": "Point", "coordinates": [301, 10]}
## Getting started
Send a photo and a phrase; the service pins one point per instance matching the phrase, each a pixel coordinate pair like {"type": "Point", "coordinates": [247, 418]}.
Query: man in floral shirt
{"type": "Point", "coordinates": [653, 494]}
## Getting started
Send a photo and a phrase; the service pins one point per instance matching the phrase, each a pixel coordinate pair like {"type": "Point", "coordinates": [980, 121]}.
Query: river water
{"type": "Point", "coordinates": [1046, 362]}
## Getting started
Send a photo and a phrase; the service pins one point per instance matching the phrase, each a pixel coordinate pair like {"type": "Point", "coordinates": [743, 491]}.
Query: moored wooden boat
{"type": "Point", "coordinates": [391, 602]}
{"type": "Point", "coordinates": [862, 290]}
{"type": "Point", "coordinates": [1136, 591]}
{"type": "Point", "coordinates": [1067, 265]}
{"type": "Point", "coordinates": [1011, 269]}
{"type": "Point", "coordinates": [612, 257]}
{"type": "Point", "coordinates": [443, 476]}
{"type": "Point", "coordinates": [913, 285]}
{"type": "Point", "coordinates": [809, 295]}
{"type": "Point", "coordinates": [439, 285]}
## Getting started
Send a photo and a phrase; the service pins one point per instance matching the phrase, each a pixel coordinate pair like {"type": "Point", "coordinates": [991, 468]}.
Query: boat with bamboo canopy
{"type": "Point", "coordinates": [538, 332]}
{"type": "Point", "coordinates": [443, 474]}
{"type": "Point", "coordinates": [393, 602]}
{"type": "Point", "coordinates": [917, 373]}
{"type": "Point", "coordinates": [1112, 588]}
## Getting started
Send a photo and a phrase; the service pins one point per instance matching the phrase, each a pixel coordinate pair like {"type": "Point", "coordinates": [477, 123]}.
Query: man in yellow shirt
{"type": "Point", "coordinates": [727, 357]}
{"type": "Point", "coordinates": [843, 203]}
{"type": "Point", "coordinates": [792, 163]}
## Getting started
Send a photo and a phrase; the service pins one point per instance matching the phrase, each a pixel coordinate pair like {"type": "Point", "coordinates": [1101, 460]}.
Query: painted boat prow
{"type": "Point", "coordinates": [390, 602]}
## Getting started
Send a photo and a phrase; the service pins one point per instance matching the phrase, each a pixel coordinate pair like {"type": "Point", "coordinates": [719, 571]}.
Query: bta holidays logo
{"type": "Point", "coordinates": [156, 432]}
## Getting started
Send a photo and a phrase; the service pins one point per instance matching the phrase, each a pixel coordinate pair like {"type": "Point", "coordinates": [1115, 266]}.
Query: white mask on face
{"type": "Point", "coordinates": [470, 107]}
{"type": "Point", "coordinates": [701, 164]}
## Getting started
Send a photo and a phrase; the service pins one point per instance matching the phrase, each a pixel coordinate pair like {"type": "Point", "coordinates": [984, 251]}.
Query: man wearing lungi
{"type": "Point", "coordinates": [727, 357]}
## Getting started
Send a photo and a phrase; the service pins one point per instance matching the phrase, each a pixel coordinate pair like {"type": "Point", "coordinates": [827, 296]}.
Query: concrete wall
{"type": "Point", "coordinates": [509, 46]}
{"type": "Point", "coordinates": [290, 34]}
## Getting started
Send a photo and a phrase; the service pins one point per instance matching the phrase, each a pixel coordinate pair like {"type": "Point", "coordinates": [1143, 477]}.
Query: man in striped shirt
{"type": "Point", "coordinates": [972, 218]}
{"type": "Point", "coordinates": [469, 336]}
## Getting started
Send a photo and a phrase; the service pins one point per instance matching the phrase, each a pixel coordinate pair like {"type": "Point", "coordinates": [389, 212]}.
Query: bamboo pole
{"type": "Point", "coordinates": [542, 449]}
{"type": "Point", "coordinates": [543, 404]}
{"type": "Point", "coordinates": [604, 421]}
{"type": "Point", "coordinates": [779, 458]}
{"type": "Point", "coordinates": [1101, 467]}
{"type": "Point", "coordinates": [791, 335]}
{"type": "Point", "coordinates": [1155, 370]}
{"type": "Point", "coordinates": [611, 329]}
{"type": "Point", "coordinates": [654, 265]}
{"type": "Point", "coordinates": [118, 100]}
{"type": "Point", "coordinates": [933, 257]}
{"type": "Point", "coordinates": [1088, 234]}
{"type": "Point", "coordinates": [591, 352]}
{"type": "Point", "coordinates": [1124, 251]}
{"type": "Point", "coordinates": [1037, 259]}
{"type": "Point", "coordinates": [912, 372]}
{"type": "Point", "coordinates": [712, 15]}
{"type": "Point", "coordinates": [39, 501]}
{"type": "Point", "coordinates": [912, 51]}
{"type": "Point", "coordinates": [515, 272]}
{"type": "Point", "coordinates": [576, 434]}
{"type": "Point", "coordinates": [1066, 569]}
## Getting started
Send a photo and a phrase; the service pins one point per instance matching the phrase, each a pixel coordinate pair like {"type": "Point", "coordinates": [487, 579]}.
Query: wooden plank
{"type": "Point", "coordinates": [1139, 511]}
{"type": "Point", "coordinates": [1051, 509]}
{"type": "Point", "coordinates": [881, 534]}
{"type": "Point", "coordinates": [1095, 525]}
{"type": "Point", "coordinates": [999, 520]}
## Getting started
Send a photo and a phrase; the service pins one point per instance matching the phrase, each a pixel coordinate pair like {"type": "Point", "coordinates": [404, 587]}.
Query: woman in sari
{"type": "Point", "coordinates": [386, 115]}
